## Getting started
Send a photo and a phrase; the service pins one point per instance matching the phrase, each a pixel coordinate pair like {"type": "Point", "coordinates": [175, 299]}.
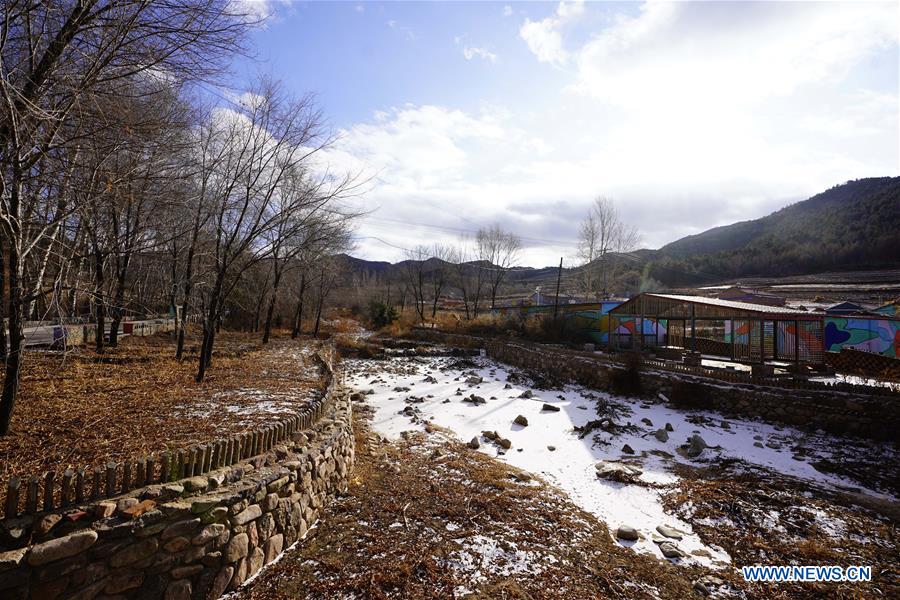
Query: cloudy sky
{"type": "Point", "coordinates": [689, 115]}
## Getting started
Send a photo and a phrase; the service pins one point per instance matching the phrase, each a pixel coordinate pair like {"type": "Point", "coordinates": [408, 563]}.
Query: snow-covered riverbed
{"type": "Point", "coordinates": [548, 446]}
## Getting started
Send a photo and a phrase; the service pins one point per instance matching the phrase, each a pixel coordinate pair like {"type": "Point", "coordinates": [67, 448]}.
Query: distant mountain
{"type": "Point", "coordinates": [850, 227]}
{"type": "Point", "coordinates": [853, 226]}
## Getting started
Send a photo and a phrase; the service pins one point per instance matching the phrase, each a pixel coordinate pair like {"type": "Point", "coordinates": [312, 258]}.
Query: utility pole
{"type": "Point", "coordinates": [558, 278]}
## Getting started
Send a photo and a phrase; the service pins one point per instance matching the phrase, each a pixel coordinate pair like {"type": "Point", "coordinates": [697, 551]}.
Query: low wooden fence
{"type": "Point", "coordinates": [54, 490]}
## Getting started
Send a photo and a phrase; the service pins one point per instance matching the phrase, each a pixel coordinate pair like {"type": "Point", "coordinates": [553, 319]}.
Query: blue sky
{"type": "Point", "coordinates": [688, 115]}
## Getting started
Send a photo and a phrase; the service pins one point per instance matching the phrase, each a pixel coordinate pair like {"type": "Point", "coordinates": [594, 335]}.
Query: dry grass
{"type": "Point", "coordinates": [83, 409]}
{"type": "Point", "coordinates": [417, 510]}
{"type": "Point", "coordinates": [763, 519]}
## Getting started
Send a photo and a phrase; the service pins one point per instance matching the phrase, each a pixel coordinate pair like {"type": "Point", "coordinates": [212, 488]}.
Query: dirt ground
{"type": "Point", "coordinates": [82, 409]}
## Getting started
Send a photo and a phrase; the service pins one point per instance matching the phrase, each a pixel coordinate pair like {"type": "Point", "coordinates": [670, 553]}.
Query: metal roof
{"type": "Point", "coordinates": [744, 307]}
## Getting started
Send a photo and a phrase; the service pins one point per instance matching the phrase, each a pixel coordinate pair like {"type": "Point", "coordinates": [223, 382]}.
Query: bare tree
{"type": "Point", "coordinates": [468, 276]}
{"type": "Point", "coordinates": [54, 57]}
{"type": "Point", "coordinates": [602, 234]}
{"type": "Point", "coordinates": [439, 274]}
{"type": "Point", "coordinates": [414, 277]}
{"type": "Point", "coordinates": [500, 250]}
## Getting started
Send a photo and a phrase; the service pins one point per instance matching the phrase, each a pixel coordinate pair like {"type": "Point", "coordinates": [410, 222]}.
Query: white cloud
{"type": "Point", "coordinates": [507, 11]}
{"type": "Point", "coordinates": [544, 37]}
{"type": "Point", "coordinates": [689, 115]}
{"type": "Point", "coordinates": [471, 52]}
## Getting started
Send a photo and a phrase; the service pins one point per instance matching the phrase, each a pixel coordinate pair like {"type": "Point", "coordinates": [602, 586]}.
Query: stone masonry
{"type": "Point", "coordinates": [193, 538]}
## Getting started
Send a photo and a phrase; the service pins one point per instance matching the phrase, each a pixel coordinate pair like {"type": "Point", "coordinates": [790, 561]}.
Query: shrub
{"type": "Point", "coordinates": [381, 314]}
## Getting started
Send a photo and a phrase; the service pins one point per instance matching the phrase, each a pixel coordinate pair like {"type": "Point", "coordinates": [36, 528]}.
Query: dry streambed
{"type": "Point", "coordinates": [643, 467]}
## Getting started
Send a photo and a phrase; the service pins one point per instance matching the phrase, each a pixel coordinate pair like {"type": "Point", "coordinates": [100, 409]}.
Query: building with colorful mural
{"type": "Point", "coordinates": [586, 321]}
{"type": "Point", "coordinates": [879, 336]}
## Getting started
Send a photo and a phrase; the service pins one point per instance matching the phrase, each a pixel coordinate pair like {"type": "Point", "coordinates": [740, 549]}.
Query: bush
{"type": "Point", "coordinates": [381, 314]}
{"type": "Point", "coordinates": [627, 381]}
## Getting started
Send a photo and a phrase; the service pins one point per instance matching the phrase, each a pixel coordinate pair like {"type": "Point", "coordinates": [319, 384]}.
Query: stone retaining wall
{"type": "Point", "coordinates": [866, 415]}
{"type": "Point", "coordinates": [193, 538]}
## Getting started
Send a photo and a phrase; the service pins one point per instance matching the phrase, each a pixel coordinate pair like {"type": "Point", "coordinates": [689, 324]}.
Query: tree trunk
{"type": "Point", "coordinates": [318, 317]}
{"type": "Point", "coordinates": [99, 308]}
{"type": "Point", "coordinates": [298, 318]}
{"type": "Point", "coordinates": [14, 276]}
{"type": "Point", "coordinates": [267, 328]}
{"type": "Point", "coordinates": [3, 338]}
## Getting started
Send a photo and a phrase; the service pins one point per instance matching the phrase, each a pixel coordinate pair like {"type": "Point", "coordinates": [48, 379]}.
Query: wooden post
{"type": "Point", "coordinates": [79, 485]}
{"type": "Point", "coordinates": [110, 479]}
{"type": "Point", "coordinates": [164, 465]}
{"type": "Point", "coordinates": [31, 495]}
{"type": "Point", "coordinates": [12, 498]}
{"type": "Point", "coordinates": [139, 473]}
{"type": "Point", "coordinates": [151, 470]}
{"type": "Point", "coordinates": [66, 491]}
{"type": "Point", "coordinates": [48, 490]}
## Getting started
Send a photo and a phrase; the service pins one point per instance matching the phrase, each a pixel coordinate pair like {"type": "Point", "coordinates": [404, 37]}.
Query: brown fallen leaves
{"type": "Point", "coordinates": [85, 409]}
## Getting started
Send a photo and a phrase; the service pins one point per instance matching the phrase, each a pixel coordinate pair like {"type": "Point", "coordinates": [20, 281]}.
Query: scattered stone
{"type": "Point", "coordinates": [617, 471]}
{"type": "Point", "coordinates": [526, 394]}
{"type": "Point", "coordinates": [669, 427]}
{"type": "Point", "coordinates": [474, 443]}
{"type": "Point", "coordinates": [504, 443]}
{"type": "Point", "coordinates": [669, 532]}
{"type": "Point", "coordinates": [491, 435]}
{"type": "Point", "coordinates": [758, 444]}
{"type": "Point", "coordinates": [104, 509]}
{"type": "Point", "coordinates": [430, 379]}
{"type": "Point", "coordinates": [46, 524]}
{"type": "Point", "coordinates": [550, 407]}
{"type": "Point", "coordinates": [507, 387]}
{"type": "Point", "coordinates": [521, 420]}
{"type": "Point", "coordinates": [661, 435]}
{"type": "Point", "coordinates": [474, 379]}
{"type": "Point", "coordinates": [647, 422]}
{"type": "Point", "coordinates": [627, 533]}
{"type": "Point", "coordinates": [670, 550]}
{"type": "Point", "coordinates": [627, 449]}
{"type": "Point", "coordinates": [700, 588]}
{"type": "Point", "coordinates": [695, 446]}
{"type": "Point", "coordinates": [551, 448]}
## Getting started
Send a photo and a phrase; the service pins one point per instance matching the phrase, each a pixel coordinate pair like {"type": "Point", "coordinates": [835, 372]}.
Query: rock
{"type": "Point", "coordinates": [430, 379]}
{"type": "Point", "coordinates": [551, 448]}
{"type": "Point", "coordinates": [504, 443]}
{"type": "Point", "coordinates": [196, 484]}
{"type": "Point", "coordinates": [237, 548]}
{"type": "Point", "coordinates": [647, 422]}
{"type": "Point", "coordinates": [63, 547]}
{"type": "Point", "coordinates": [628, 533]}
{"type": "Point", "coordinates": [180, 528]}
{"type": "Point", "coordinates": [669, 532]}
{"type": "Point", "coordinates": [220, 583]}
{"type": "Point", "coordinates": [46, 524]}
{"type": "Point", "coordinates": [507, 387]}
{"type": "Point", "coordinates": [11, 559]}
{"type": "Point", "coordinates": [491, 435]}
{"type": "Point", "coordinates": [134, 553]}
{"type": "Point", "coordinates": [695, 446]}
{"type": "Point", "coordinates": [550, 407]}
{"type": "Point", "coordinates": [208, 534]}
{"type": "Point", "coordinates": [627, 449]}
{"type": "Point", "coordinates": [669, 427]}
{"type": "Point", "coordinates": [178, 590]}
{"type": "Point", "coordinates": [474, 443]}
{"type": "Point", "coordinates": [700, 588]}
{"type": "Point", "coordinates": [105, 509]}
{"type": "Point", "coordinates": [617, 471]}
{"type": "Point", "coordinates": [526, 394]}
{"type": "Point", "coordinates": [661, 435]}
{"type": "Point", "coordinates": [670, 550]}
{"type": "Point", "coordinates": [521, 420]}
{"type": "Point", "coordinates": [248, 514]}
{"type": "Point", "coordinates": [758, 444]}
{"type": "Point", "coordinates": [474, 379]}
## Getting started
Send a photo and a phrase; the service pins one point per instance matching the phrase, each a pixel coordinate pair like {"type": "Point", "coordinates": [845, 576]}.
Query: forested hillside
{"type": "Point", "coordinates": [848, 227]}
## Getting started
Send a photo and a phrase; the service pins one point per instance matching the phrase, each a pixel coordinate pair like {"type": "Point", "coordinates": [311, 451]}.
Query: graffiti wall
{"type": "Point", "coordinates": [880, 336]}
{"type": "Point", "coordinates": [590, 319]}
